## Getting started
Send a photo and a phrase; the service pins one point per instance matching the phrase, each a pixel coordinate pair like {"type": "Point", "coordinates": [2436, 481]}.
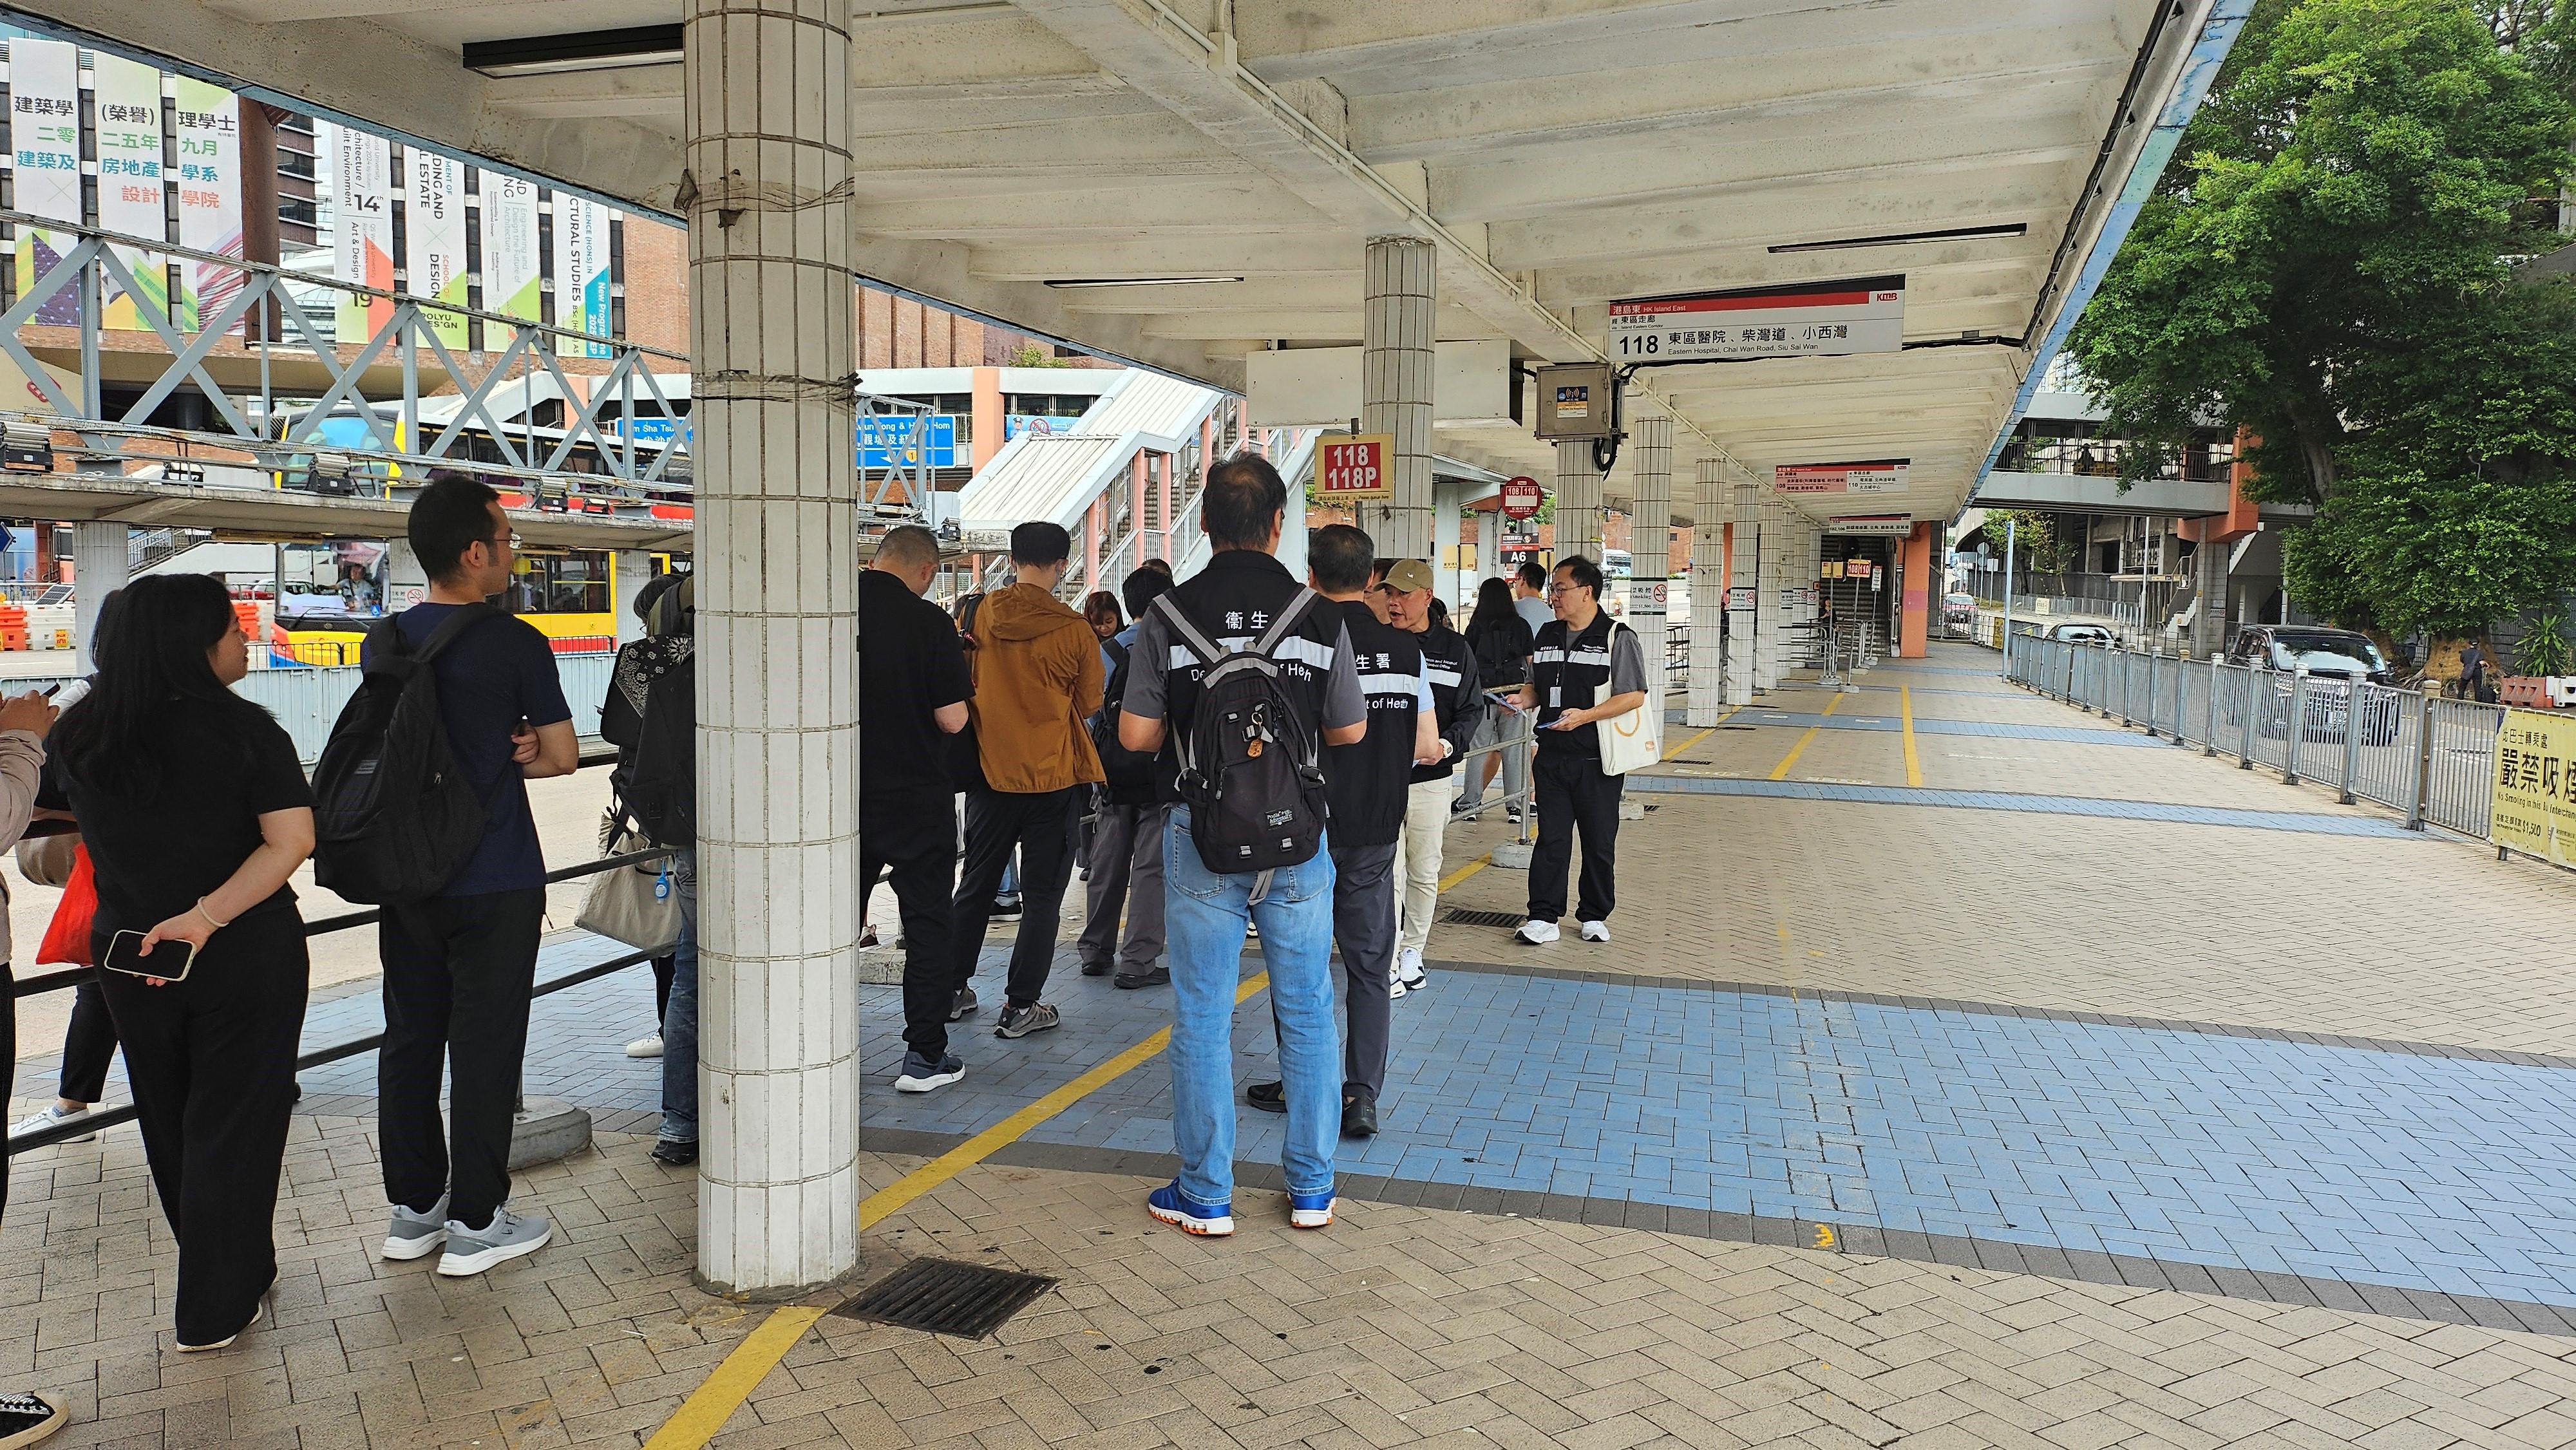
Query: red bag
{"type": "Point", "coordinates": [67, 935]}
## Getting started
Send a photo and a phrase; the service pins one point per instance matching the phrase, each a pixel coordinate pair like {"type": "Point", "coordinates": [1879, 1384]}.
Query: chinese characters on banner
{"type": "Point", "coordinates": [2535, 786]}
{"type": "Point", "coordinates": [44, 129]}
{"type": "Point", "coordinates": [130, 194]}
{"type": "Point", "coordinates": [1885, 475]}
{"type": "Point", "coordinates": [210, 218]}
{"type": "Point", "coordinates": [363, 237]}
{"type": "Point", "coordinates": [1818, 319]}
{"type": "Point", "coordinates": [581, 274]}
{"type": "Point", "coordinates": [434, 239]}
{"type": "Point", "coordinates": [511, 270]}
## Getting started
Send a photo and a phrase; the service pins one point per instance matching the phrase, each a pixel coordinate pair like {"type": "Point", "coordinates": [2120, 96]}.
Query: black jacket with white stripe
{"type": "Point", "coordinates": [1457, 695]}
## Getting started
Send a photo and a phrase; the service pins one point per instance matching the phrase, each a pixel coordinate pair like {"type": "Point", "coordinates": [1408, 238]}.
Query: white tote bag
{"type": "Point", "coordinates": [1632, 741]}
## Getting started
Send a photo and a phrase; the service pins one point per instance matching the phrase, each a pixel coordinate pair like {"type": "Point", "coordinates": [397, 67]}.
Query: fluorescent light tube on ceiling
{"type": "Point", "coordinates": [1899, 239]}
{"type": "Point", "coordinates": [1138, 281]}
{"type": "Point", "coordinates": [541, 55]}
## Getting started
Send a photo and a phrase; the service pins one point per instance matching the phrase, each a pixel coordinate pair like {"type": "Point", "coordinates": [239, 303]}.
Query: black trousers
{"type": "Point", "coordinates": [89, 1045]}
{"type": "Point", "coordinates": [1041, 826]}
{"type": "Point", "coordinates": [1573, 795]}
{"type": "Point", "coordinates": [663, 970]}
{"type": "Point", "coordinates": [458, 971]}
{"type": "Point", "coordinates": [920, 851]}
{"type": "Point", "coordinates": [9, 1055]}
{"type": "Point", "coordinates": [1364, 890]}
{"type": "Point", "coordinates": [212, 1061]}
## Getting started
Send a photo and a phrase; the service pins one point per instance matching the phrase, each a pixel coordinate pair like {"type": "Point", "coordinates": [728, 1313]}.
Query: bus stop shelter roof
{"type": "Point", "coordinates": [1044, 162]}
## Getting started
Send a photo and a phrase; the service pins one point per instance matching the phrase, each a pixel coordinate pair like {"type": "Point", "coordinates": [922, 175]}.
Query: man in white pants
{"type": "Point", "coordinates": [1458, 703]}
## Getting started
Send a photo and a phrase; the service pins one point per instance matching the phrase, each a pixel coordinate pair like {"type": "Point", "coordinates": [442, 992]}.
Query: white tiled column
{"type": "Point", "coordinates": [1397, 320]}
{"type": "Point", "coordinates": [634, 569]}
{"type": "Point", "coordinates": [99, 563]}
{"type": "Point", "coordinates": [771, 336]}
{"type": "Point", "coordinates": [1578, 502]}
{"type": "Point", "coordinates": [1650, 544]}
{"type": "Point", "coordinates": [1708, 594]}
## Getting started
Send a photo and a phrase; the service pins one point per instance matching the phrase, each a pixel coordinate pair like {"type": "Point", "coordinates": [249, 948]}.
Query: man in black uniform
{"type": "Point", "coordinates": [912, 694]}
{"type": "Point", "coordinates": [1364, 782]}
{"type": "Point", "coordinates": [1241, 597]}
{"type": "Point", "coordinates": [1458, 706]}
{"type": "Point", "coordinates": [1588, 668]}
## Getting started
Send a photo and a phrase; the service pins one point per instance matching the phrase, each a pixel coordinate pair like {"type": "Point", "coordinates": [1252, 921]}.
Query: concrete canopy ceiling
{"type": "Point", "coordinates": [1562, 153]}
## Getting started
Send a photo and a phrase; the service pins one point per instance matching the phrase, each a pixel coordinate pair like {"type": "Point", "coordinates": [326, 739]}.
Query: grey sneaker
{"type": "Point", "coordinates": [416, 1235]}
{"type": "Point", "coordinates": [508, 1236]}
{"type": "Point", "coordinates": [963, 1005]}
{"type": "Point", "coordinates": [1021, 1021]}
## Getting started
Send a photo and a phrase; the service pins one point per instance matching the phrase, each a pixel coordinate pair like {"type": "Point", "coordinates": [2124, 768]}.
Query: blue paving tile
{"type": "Point", "coordinates": [1897, 795]}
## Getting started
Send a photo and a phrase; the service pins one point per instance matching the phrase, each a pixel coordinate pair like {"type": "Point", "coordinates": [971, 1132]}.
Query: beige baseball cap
{"type": "Point", "coordinates": [1405, 576]}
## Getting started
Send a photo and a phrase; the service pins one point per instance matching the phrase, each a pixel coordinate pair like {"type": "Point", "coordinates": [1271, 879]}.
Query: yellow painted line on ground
{"type": "Point", "coordinates": [1781, 771]}
{"type": "Point", "coordinates": [1463, 872]}
{"type": "Point", "coordinates": [1694, 740]}
{"type": "Point", "coordinates": [713, 1402]}
{"type": "Point", "coordinates": [1913, 762]}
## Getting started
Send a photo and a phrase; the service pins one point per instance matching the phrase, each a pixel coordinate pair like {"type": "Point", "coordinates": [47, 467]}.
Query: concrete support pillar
{"type": "Point", "coordinates": [1650, 545]}
{"type": "Point", "coordinates": [1398, 320]}
{"type": "Point", "coordinates": [1770, 620]}
{"type": "Point", "coordinates": [1578, 502]}
{"type": "Point", "coordinates": [1708, 595]}
{"type": "Point", "coordinates": [98, 570]}
{"type": "Point", "coordinates": [1743, 577]}
{"type": "Point", "coordinates": [773, 342]}
{"type": "Point", "coordinates": [629, 570]}
{"type": "Point", "coordinates": [2209, 620]}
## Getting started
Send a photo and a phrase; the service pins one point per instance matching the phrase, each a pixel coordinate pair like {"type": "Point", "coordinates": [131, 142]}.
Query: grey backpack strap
{"type": "Point", "coordinates": [1190, 637]}
{"type": "Point", "coordinates": [1284, 621]}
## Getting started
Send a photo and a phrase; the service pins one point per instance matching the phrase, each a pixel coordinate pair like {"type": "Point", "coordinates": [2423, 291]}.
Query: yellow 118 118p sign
{"type": "Point", "coordinates": [2535, 785]}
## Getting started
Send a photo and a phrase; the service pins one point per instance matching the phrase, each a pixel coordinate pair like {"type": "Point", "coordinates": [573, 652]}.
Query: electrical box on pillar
{"type": "Point", "coordinates": [1576, 402]}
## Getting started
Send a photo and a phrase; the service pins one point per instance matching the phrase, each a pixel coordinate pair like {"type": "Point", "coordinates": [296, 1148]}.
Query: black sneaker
{"type": "Point", "coordinates": [1130, 981]}
{"type": "Point", "coordinates": [921, 1075]}
{"type": "Point", "coordinates": [1097, 969]}
{"type": "Point", "coordinates": [675, 1153]}
{"type": "Point", "coordinates": [965, 1005]}
{"type": "Point", "coordinates": [1021, 1021]}
{"type": "Point", "coordinates": [1359, 1118]}
{"type": "Point", "coordinates": [1269, 1097]}
{"type": "Point", "coordinates": [26, 1419]}
{"type": "Point", "coordinates": [1005, 908]}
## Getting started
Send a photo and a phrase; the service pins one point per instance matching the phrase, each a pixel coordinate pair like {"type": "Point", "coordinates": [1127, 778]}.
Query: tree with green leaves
{"type": "Point", "coordinates": [2327, 264]}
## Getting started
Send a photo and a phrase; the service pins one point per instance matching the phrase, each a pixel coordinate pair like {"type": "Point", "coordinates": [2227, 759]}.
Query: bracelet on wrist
{"type": "Point", "coordinates": [210, 916]}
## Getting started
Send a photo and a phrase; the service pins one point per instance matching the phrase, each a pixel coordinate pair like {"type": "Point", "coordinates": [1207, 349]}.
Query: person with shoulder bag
{"type": "Point", "coordinates": [1127, 843]}
{"type": "Point", "coordinates": [1587, 670]}
{"type": "Point", "coordinates": [195, 812]}
{"type": "Point", "coordinates": [650, 715]}
{"type": "Point", "coordinates": [1502, 640]}
{"type": "Point", "coordinates": [25, 1416]}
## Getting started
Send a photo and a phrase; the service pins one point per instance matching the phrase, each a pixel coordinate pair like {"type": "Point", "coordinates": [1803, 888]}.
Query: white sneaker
{"type": "Point", "coordinates": [416, 1235]}
{"type": "Point", "coordinates": [1395, 988]}
{"type": "Point", "coordinates": [1596, 931]}
{"type": "Point", "coordinates": [1536, 932]}
{"type": "Point", "coordinates": [51, 1117]}
{"type": "Point", "coordinates": [645, 1046]}
{"type": "Point", "coordinates": [1408, 970]}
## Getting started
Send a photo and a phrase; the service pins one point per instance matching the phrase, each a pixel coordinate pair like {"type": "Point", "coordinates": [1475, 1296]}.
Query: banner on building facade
{"type": "Point", "coordinates": [581, 274]}
{"type": "Point", "coordinates": [362, 231]}
{"type": "Point", "coordinates": [512, 272]}
{"type": "Point", "coordinates": [434, 239]}
{"type": "Point", "coordinates": [131, 198]}
{"type": "Point", "coordinates": [44, 131]}
{"type": "Point", "coordinates": [2535, 785]}
{"type": "Point", "coordinates": [210, 214]}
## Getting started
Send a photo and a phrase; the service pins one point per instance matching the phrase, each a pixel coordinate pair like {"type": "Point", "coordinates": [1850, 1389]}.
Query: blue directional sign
{"type": "Point", "coordinates": [883, 440]}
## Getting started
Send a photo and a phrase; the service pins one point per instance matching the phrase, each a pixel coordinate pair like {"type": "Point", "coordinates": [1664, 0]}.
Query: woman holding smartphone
{"type": "Point", "coordinates": [196, 811]}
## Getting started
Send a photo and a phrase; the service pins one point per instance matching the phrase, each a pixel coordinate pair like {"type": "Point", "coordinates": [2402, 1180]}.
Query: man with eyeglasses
{"type": "Point", "coordinates": [1587, 668]}
{"type": "Point", "coordinates": [460, 965]}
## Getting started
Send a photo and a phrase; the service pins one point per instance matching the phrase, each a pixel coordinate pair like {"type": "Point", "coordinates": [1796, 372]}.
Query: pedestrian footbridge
{"type": "Point", "coordinates": [1964, 1066]}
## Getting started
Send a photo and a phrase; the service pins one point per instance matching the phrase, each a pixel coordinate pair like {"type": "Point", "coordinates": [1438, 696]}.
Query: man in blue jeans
{"type": "Point", "coordinates": [1232, 602]}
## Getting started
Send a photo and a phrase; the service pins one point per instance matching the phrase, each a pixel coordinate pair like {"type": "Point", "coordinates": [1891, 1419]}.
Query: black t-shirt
{"type": "Point", "coordinates": [222, 768]}
{"type": "Point", "coordinates": [491, 677]}
{"type": "Point", "coordinates": [1365, 780]}
{"type": "Point", "coordinates": [910, 664]}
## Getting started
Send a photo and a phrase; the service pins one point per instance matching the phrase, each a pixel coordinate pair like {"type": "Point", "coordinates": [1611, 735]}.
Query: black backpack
{"type": "Point", "coordinates": [1128, 774]}
{"type": "Point", "coordinates": [658, 779]}
{"type": "Point", "coordinates": [394, 819]}
{"type": "Point", "coordinates": [1249, 765]}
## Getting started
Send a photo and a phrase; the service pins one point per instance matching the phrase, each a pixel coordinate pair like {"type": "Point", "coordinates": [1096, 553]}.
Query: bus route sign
{"type": "Point", "coordinates": [1818, 319]}
{"type": "Point", "coordinates": [1351, 466]}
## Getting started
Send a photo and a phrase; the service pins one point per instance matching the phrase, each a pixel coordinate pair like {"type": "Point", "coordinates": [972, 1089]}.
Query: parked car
{"type": "Point", "coordinates": [1959, 614]}
{"type": "Point", "coordinates": [2083, 634]}
{"type": "Point", "coordinates": [2337, 662]}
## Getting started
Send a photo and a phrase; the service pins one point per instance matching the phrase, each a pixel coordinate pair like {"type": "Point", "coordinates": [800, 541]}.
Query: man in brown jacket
{"type": "Point", "coordinates": [1037, 679]}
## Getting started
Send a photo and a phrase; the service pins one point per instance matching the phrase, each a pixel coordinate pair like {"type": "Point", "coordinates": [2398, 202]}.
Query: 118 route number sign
{"type": "Point", "coordinates": [1521, 497]}
{"type": "Point", "coordinates": [1352, 466]}
{"type": "Point", "coordinates": [1819, 319]}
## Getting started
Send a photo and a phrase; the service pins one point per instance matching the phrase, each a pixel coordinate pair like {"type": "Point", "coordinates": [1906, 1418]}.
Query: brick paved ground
{"type": "Point", "coordinates": [1893, 1117]}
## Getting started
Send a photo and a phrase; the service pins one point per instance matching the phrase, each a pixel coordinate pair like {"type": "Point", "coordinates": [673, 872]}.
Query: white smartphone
{"type": "Point", "coordinates": [168, 960]}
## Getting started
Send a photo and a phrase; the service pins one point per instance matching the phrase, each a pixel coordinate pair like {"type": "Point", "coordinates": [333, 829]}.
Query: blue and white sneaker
{"type": "Point", "coordinates": [1174, 1207]}
{"type": "Point", "coordinates": [1311, 1210]}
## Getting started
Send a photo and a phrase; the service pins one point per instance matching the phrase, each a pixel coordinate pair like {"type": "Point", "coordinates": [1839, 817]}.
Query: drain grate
{"type": "Point", "coordinates": [1462, 917]}
{"type": "Point", "coordinates": [942, 1296]}
{"type": "Point", "coordinates": [1688, 760]}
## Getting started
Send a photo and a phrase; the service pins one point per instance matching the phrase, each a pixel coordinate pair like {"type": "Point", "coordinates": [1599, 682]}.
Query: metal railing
{"type": "Point", "coordinates": [2430, 758]}
{"type": "Point", "coordinates": [98, 1118]}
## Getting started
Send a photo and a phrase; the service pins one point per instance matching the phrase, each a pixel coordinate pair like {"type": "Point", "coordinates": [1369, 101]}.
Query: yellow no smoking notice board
{"type": "Point", "coordinates": [2535, 785]}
